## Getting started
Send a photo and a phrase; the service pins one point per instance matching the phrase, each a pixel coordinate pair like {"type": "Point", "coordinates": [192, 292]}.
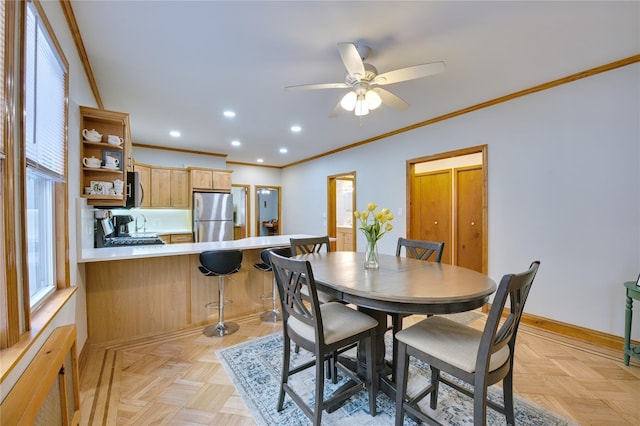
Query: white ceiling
{"type": "Point", "coordinates": [180, 64]}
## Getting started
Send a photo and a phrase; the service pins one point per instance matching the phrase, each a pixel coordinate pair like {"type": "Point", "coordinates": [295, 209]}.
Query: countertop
{"type": "Point", "coordinates": [106, 254]}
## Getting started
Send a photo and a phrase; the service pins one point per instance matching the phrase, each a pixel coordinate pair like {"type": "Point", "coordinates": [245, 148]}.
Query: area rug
{"type": "Point", "coordinates": [255, 367]}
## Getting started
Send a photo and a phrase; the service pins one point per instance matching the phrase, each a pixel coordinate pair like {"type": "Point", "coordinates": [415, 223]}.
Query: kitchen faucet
{"type": "Point", "coordinates": [144, 223]}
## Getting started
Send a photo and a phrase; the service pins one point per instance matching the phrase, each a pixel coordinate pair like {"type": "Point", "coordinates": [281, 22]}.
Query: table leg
{"type": "Point", "coordinates": [628, 315]}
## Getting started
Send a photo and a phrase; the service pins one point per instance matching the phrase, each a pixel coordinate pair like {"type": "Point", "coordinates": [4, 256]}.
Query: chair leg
{"type": "Point", "coordinates": [435, 382]}
{"type": "Point", "coordinates": [479, 403]}
{"type": "Point", "coordinates": [507, 389]}
{"type": "Point", "coordinates": [273, 315]}
{"type": "Point", "coordinates": [286, 358]}
{"type": "Point", "coordinates": [402, 373]}
{"type": "Point", "coordinates": [319, 402]}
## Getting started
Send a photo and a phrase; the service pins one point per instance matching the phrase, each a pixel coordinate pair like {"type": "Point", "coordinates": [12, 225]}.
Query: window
{"type": "Point", "coordinates": [45, 149]}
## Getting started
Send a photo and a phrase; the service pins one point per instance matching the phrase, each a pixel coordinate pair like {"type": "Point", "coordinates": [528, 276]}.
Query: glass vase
{"type": "Point", "coordinates": [371, 256]}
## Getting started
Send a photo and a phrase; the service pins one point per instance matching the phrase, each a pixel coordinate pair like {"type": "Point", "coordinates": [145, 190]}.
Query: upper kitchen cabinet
{"type": "Point", "coordinates": [210, 179]}
{"type": "Point", "coordinates": [106, 144]}
{"type": "Point", "coordinates": [169, 187]}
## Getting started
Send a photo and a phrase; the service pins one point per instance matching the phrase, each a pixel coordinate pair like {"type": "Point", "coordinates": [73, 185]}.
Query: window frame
{"type": "Point", "coordinates": [60, 196]}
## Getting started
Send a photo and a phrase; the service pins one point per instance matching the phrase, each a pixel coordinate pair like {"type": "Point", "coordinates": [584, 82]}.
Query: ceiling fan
{"type": "Point", "coordinates": [363, 79]}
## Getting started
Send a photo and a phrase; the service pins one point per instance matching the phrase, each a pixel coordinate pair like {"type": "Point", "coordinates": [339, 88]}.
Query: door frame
{"type": "Point", "coordinates": [411, 163]}
{"type": "Point", "coordinates": [257, 207]}
{"type": "Point", "coordinates": [247, 203]}
{"type": "Point", "coordinates": [331, 206]}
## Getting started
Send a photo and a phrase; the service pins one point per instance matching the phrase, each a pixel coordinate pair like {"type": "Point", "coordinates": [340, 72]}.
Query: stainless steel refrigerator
{"type": "Point", "coordinates": [212, 216]}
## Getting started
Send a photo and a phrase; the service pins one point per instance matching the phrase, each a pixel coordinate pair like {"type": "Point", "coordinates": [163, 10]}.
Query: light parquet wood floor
{"type": "Point", "coordinates": [177, 379]}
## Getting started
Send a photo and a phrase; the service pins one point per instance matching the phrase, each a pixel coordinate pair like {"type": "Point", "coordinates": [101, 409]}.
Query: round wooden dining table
{"type": "Point", "coordinates": [400, 285]}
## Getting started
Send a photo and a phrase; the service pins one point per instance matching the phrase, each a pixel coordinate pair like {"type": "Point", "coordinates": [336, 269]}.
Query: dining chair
{"type": "Point", "coordinates": [316, 245]}
{"type": "Point", "coordinates": [416, 249]}
{"type": "Point", "coordinates": [480, 358]}
{"type": "Point", "coordinates": [323, 329]}
{"type": "Point", "coordinates": [312, 245]}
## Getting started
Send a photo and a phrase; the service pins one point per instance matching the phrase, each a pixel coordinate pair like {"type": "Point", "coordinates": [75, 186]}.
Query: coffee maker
{"type": "Point", "coordinates": [122, 225]}
{"type": "Point", "coordinates": [103, 227]}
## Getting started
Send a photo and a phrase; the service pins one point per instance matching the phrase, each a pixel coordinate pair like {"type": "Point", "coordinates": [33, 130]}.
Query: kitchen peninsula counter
{"type": "Point", "coordinates": [106, 254]}
{"type": "Point", "coordinates": [143, 291]}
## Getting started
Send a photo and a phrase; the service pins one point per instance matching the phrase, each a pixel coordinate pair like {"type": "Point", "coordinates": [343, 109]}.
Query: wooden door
{"type": "Point", "coordinates": [431, 210]}
{"type": "Point", "coordinates": [468, 208]}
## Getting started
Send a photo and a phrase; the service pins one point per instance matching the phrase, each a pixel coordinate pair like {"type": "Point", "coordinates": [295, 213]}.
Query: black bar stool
{"type": "Point", "coordinates": [220, 263]}
{"type": "Point", "coordinates": [274, 314]}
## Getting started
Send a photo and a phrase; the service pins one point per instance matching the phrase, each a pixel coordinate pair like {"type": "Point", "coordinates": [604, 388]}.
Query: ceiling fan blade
{"type": "Point", "coordinates": [351, 59]}
{"type": "Point", "coordinates": [318, 86]}
{"type": "Point", "coordinates": [409, 73]}
{"type": "Point", "coordinates": [336, 111]}
{"type": "Point", "coordinates": [390, 99]}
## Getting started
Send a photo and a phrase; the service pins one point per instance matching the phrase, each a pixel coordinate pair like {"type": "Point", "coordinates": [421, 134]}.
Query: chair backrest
{"type": "Point", "coordinates": [516, 288]}
{"type": "Point", "coordinates": [422, 250]}
{"type": "Point", "coordinates": [280, 251]}
{"type": "Point", "coordinates": [220, 262]}
{"type": "Point", "coordinates": [309, 245]}
{"type": "Point", "coordinates": [292, 275]}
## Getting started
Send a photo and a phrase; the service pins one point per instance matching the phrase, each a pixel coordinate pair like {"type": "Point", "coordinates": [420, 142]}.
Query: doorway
{"type": "Point", "coordinates": [447, 201]}
{"type": "Point", "coordinates": [241, 219]}
{"type": "Point", "coordinates": [341, 199]}
{"type": "Point", "coordinates": [268, 210]}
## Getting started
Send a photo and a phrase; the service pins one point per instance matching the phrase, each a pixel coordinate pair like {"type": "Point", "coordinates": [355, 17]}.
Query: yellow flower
{"type": "Point", "coordinates": [374, 230]}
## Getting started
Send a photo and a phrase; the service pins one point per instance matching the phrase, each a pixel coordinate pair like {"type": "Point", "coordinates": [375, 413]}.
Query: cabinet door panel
{"type": "Point", "coordinates": [179, 188]}
{"type": "Point", "coordinates": [160, 187]}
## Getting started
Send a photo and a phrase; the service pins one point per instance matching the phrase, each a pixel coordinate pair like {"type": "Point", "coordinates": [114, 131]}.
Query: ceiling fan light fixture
{"type": "Point", "coordinates": [361, 106]}
{"type": "Point", "coordinates": [348, 101]}
{"type": "Point", "coordinates": [372, 99]}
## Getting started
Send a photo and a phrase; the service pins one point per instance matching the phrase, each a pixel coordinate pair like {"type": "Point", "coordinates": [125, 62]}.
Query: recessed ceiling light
{"type": "Point", "coordinates": [296, 128]}
{"type": "Point", "coordinates": [175, 133]}
{"type": "Point", "coordinates": [229, 114]}
{"type": "Point", "coordinates": [235, 143]}
{"type": "Point", "coordinates": [283, 150]}
{"type": "Point", "coordinates": [260, 160]}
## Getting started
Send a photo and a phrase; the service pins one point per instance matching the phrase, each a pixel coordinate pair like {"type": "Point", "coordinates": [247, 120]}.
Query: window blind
{"type": "Point", "coordinates": [44, 101]}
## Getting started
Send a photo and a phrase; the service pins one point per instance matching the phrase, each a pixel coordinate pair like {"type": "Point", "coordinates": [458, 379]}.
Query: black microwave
{"type": "Point", "coordinates": [135, 191]}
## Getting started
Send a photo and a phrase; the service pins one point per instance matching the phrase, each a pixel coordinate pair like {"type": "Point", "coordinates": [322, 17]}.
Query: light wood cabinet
{"type": "Point", "coordinates": [169, 187]}
{"type": "Point", "coordinates": [181, 238]}
{"type": "Point", "coordinates": [100, 178]}
{"type": "Point", "coordinates": [177, 238]}
{"type": "Point", "coordinates": [160, 187]}
{"type": "Point", "coordinates": [210, 179]}
{"type": "Point", "coordinates": [344, 239]}
{"type": "Point", "coordinates": [179, 188]}
{"type": "Point", "coordinates": [201, 179]}
{"type": "Point", "coordinates": [221, 180]}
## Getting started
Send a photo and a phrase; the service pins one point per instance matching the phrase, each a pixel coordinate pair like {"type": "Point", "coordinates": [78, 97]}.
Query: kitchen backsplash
{"type": "Point", "coordinates": [160, 221]}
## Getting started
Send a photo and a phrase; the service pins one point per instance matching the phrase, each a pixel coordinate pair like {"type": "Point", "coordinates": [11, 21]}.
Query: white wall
{"type": "Point", "coordinates": [564, 188]}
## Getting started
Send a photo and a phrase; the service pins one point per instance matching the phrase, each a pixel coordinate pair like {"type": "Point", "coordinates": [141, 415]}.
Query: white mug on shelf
{"type": "Point", "coordinates": [111, 162]}
{"type": "Point", "coordinates": [115, 140]}
{"type": "Point", "coordinates": [92, 162]}
{"type": "Point", "coordinates": [118, 186]}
